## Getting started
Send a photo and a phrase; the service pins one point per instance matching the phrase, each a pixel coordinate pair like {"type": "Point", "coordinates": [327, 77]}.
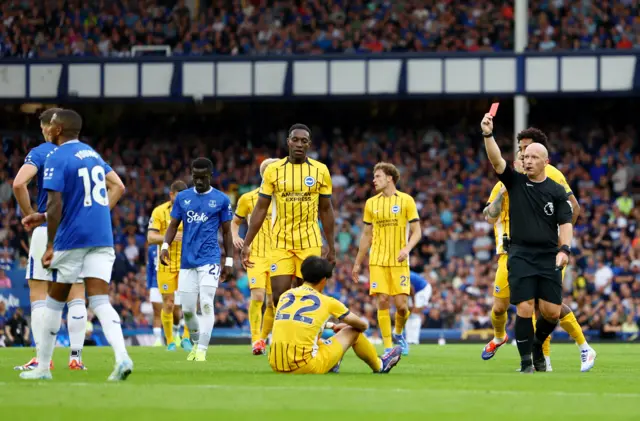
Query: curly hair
{"type": "Point", "coordinates": [536, 135]}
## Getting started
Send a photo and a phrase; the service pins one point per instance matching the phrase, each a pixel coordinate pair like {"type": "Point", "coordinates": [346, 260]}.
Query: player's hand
{"type": "Point", "coordinates": [561, 260]}
{"type": "Point", "coordinates": [34, 220]}
{"type": "Point", "coordinates": [164, 257]}
{"type": "Point", "coordinates": [226, 273]}
{"type": "Point", "coordinates": [246, 256]}
{"type": "Point", "coordinates": [337, 328]}
{"type": "Point", "coordinates": [331, 256]}
{"type": "Point", "coordinates": [355, 273]}
{"type": "Point", "coordinates": [238, 242]}
{"type": "Point", "coordinates": [403, 255]}
{"type": "Point", "coordinates": [47, 257]}
{"type": "Point", "coordinates": [487, 124]}
{"type": "Point", "coordinates": [178, 236]}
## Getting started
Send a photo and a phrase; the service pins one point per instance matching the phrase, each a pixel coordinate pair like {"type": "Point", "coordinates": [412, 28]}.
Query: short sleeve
{"type": "Point", "coordinates": [494, 192]}
{"type": "Point", "coordinates": [367, 218]}
{"type": "Point", "coordinates": [107, 168]}
{"type": "Point", "coordinates": [34, 158]}
{"type": "Point", "coordinates": [507, 177]}
{"type": "Point", "coordinates": [155, 223]}
{"type": "Point", "coordinates": [268, 181]}
{"type": "Point", "coordinates": [563, 206]}
{"type": "Point", "coordinates": [337, 309]}
{"type": "Point", "coordinates": [54, 173]}
{"type": "Point", "coordinates": [326, 188]}
{"type": "Point", "coordinates": [242, 210]}
{"type": "Point", "coordinates": [176, 209]}
{"type": "Point", "coordinates": [412, 211]}
{"type": "Point", "coordinates": [226, 212]}
{"type": "Point", "coordinates": [559, 178]}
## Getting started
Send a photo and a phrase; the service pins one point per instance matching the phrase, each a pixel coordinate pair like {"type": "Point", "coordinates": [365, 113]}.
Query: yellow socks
{"type": "Point", "coordinates": [267, 322]}
{"type": "Point", "coordinates": [367, 352]}
{"type": "Point", "coordinates": [255, 319]}
{"type": "Point", "coordinates": [401, 321]}
{"type": "Point", "coordinates": [167, 325]}
{"type": "Point", "coordinates": [572, 327]}
{"type": "Point", "coordinates": [185, 334]}
{"type": "Point", "coordinates": [384, 322]}
{"type": "Point", "coordinates": [546, 346]}
{"type": "Point", "coordinates": [499, 323]}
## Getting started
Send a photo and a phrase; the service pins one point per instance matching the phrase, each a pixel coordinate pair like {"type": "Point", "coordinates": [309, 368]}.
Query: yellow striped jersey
{"type": "Point", "coordinates": [160, 219]}
{"type": "Point", "coordinates": [300, 317]}
{"type": "Point", "coordinates": [390, 217]}
{"type": "Point", "coordinates": [295, 190]}
{"type": "Point", "coordinates": [261, 245]}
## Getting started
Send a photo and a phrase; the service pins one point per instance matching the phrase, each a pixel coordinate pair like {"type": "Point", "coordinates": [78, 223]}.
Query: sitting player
{"type": "Point", "coordinates": [300, 319]}
{"type": "Point", "coordinates": [420, 296]}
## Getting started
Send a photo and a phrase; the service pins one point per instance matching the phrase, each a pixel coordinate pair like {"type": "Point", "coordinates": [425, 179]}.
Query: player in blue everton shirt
{"type": "Point", "coordinates": [79, 240]}
{"type": "Point", "coordinates": [202, 211]}
{"type": "Point", "coordinates": [37, 276]}
{"type": "Point", "coordinates": [154, 293]}
{"type": "Point", "coordinates": [420, 297]}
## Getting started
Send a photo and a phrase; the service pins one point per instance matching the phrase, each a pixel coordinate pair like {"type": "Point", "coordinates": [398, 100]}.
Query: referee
{"type": "Point", "coordinates": [540, 218]}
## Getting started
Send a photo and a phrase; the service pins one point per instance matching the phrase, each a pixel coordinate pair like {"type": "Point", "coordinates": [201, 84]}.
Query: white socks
{"type": "Point", "coordinates": [412, 329]}
{"type": "Point", "coordinates": [584, 347]}
{"type": "Point", "coordinates": [77, 326]}
{"type": "Point", "coordinates": [37, 319]}
{"type": "Point", "coordinates": [50, 327]}
{"type": "Point", "coordinates": [157, 333]}
{"type": "Point", "coordinates": [207, 295]}
{"type": "Point", "coordinates": [110, 322]}
{"type": "Point", "coordinates": [189, 305]}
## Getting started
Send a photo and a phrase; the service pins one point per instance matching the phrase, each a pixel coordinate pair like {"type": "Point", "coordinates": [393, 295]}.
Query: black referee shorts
{"type": "Point", "coordinates": [533, 275]}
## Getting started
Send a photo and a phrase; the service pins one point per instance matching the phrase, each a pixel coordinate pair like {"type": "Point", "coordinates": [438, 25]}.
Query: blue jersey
{"type": "Point", "coordinates": [37, 157]}
{"type": "Point", "coordinates": [152, 266]}
{"type": "Point", "coordinates": [79, 173]}
{"type": "Point", "coordinates": [417, 282]}
{"type": "Point", "coordinates": [201, 215]}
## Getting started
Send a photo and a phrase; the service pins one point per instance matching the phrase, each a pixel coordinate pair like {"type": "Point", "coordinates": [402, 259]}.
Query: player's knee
{"type": "Point", "coordinates": [525, 309]}
{"type": "Point", "coordinates": [564, 310]}
{"type": "Point", "coordinates": [207, 295]}
{"type": "Point", "coordinates": [500, 306]}
{"type": "Point", "coordinates": [257, 294]}
{"type": "Point", "coordinates": [550, 312]}
{"type": "Point", "coordinates": [269, 300]}
{"type": "Point", "coordinates": [383, 301]}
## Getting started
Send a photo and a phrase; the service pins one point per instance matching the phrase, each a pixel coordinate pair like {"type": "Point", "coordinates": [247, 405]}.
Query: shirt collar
{"type": "Point", "coordinates": [208, 191]}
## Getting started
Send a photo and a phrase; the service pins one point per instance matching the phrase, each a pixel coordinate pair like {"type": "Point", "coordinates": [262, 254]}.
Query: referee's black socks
{"type": "Point", "coordinates": [544, 328]}
{"type": "Point", "coordinates": [524, 339]}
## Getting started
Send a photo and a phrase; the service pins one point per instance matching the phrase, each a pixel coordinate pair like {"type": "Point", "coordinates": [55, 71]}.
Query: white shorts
{"type": "Point", "coordinates": [38, 246]}
{"type": "Point", "coordinates": [190, 280]}
{"type": "Point", "coordinates": [154, 295]}
{"type": "Point", "coordinates": [72, 266]}
{"type": "Point", "coordinates": [423, 297]}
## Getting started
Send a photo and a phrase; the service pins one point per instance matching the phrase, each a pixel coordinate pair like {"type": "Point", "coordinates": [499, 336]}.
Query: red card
{"type": "Point", "coordinates": [494, 109]}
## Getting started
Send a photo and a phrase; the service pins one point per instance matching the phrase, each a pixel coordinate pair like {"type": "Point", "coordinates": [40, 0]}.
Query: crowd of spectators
{"type": "Point", "coordinates": [450, 180]}
{"type": "Point", "coordinates": [92, 28]}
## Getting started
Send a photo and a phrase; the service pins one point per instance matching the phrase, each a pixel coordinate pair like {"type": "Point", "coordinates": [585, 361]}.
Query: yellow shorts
{"type": "Point", "coordinates": [259, 274]}
{"type": "Point", "coordinates": [501, 283]}
{"type": "Point", "coordinates": [389, 280]}
{"type": "Point", "coordinates": [329, 354]}
{"type": "Point", "coordinates": [288, 262]}
{"type": "Point", "coordinates": [167, 282]}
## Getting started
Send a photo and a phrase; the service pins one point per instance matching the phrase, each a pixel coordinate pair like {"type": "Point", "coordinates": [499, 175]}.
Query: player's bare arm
{"type": "Point", "coordinates": [255, 223]}
{"type": "Point", "coordinates": [492, 211]}
{"type": "Point", "coordinates": [415, 236]}
{"type": "Point", "coordinates": [328, 219]}
{"type": "Point", "coordinates": [235, 231]}
{"type": "Point", "coordinates": [358, 323]}
{"type": "Point", "coordinates": [490, 145]}
{"type": "Point", "coordinates": [365, 244]}
{"type": "Point", "coordinates": [54, 216]}
{"type": "Point", "coordinates": [575, 207]}
{"type": "Point", "coordinates": [154, 236]}
{"type": "Point", "coordinates": [169, 236]}
{"type": "Point", "coordinates": [565, 238]}
{"type": "Point", "coordinates": [115, 188]}
{"type": "Point", "coordinates": [20, 191]}
{"type": "Point", "coordinates": [227, 242]}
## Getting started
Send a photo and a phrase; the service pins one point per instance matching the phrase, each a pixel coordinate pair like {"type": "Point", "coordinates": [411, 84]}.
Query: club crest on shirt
{"type": "Point", "coordinates": [274, 267]}
{"type": "Point", "coordinates": [212, 203]}
{"type": "Point", "coordinates": [548, 208]}
{"type": "Point", "coordinates": [395, 209]}
{"type": "Point", "coordinates": [309, 181]}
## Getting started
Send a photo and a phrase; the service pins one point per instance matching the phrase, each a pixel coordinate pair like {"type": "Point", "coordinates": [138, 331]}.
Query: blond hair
{"type": "Point", "coordinates": [389, 170]}
{"type": "Point", "coordinates": [265, 164]}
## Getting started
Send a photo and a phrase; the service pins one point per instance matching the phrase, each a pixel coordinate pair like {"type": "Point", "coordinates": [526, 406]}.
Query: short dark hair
{"type": "Point", "coordinates": [178, 185]}
{"type": "Point", "coordinates": [45, 117]}
{"type": "Point", "coordinates": [314, 269]}
{"type": "Point", "coordinates": [202, 164]}
{"type": "Point", "coordinates": [534, 134]}
{"type": "Point", "coordinates": [299, 126]}
{"type": "Point", "coordinates": [70, 121]}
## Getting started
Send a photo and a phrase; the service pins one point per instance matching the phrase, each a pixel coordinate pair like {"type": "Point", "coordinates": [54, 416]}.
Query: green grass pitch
{"type": "Point", "coordinates": [433, 383]}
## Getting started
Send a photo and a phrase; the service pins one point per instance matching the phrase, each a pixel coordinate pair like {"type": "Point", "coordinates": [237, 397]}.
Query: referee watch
{"type": "Point", "coordinates": [565, 249]}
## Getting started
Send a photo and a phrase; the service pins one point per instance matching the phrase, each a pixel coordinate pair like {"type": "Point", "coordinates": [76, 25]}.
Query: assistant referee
{"type": "Point", "coordinates": [540, 216]}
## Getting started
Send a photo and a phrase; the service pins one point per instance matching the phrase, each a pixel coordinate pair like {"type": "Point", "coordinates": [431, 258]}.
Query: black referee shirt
{"type": "Point", "coordinates": [535, 210]}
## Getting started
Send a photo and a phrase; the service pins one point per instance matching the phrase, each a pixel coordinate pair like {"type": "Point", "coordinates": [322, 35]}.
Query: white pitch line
{"type": "Point", "coordinates": [353, 389]}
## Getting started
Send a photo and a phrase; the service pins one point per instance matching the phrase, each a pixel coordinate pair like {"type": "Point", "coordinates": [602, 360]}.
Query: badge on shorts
{"type": "Point", "coordinates": [395, 209]}
{"type": "Point", "coordinates": [274, 267]}
{"type": "Point", "coordinates": [374, 285]}
{"type": "Point", "coordinates": [253, 281]}
{"type": "Point", "coordinates": [497, 288]}
{"type": "Point", "coordinates": [309, 181]}
{"type": "Point", "coordinates": [165, 287]}
{"type": "Point", "coordinates": [327, 341]}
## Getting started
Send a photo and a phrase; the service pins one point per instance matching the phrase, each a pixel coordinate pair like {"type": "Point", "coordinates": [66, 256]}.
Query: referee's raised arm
{"type": "Point", "coordinates": [493, 151]}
